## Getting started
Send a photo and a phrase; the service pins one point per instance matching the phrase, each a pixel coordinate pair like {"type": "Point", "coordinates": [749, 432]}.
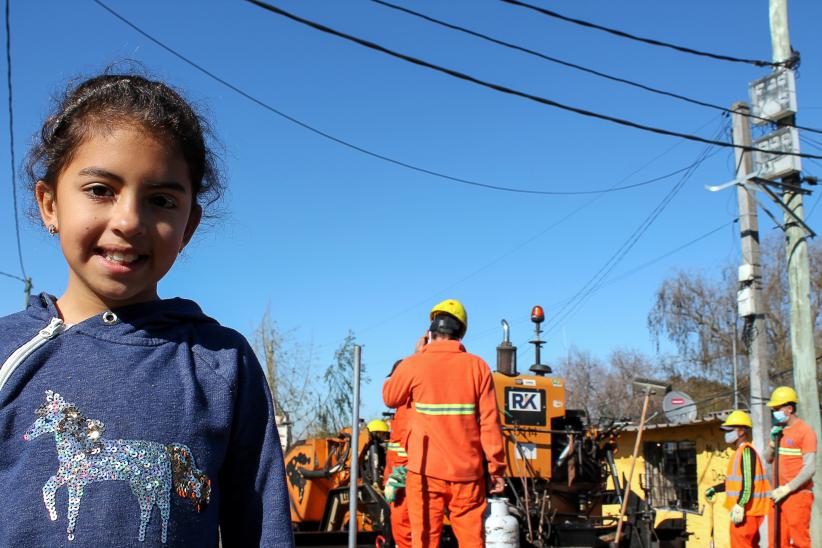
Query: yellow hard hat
{"type": "Point", "coordinates": [738, 418]}
{"type": "Point", "coordinates": [452, 307]}
{"type": "Point", "coordinates": [782, 395]}
{"type": "Point", "coordinates": [377, 425]}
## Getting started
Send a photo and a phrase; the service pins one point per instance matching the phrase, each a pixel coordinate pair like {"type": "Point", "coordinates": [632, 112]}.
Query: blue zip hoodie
{"type": "Point", "coordinates": [149, 425]}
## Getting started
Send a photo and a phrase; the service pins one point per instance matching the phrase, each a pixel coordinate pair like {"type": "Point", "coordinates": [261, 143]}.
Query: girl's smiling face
{"type": "Point", "coordinates": [124, 209]}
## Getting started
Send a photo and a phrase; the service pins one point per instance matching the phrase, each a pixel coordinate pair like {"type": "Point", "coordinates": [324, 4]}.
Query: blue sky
{"type": "Point", "coordinates": [331, 239]}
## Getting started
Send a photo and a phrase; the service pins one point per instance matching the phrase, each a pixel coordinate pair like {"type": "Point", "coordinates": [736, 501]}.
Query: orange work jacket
{"type": "Point", "coordinates": [454, 426]}
{"type": "Point", "coordinates": [759, 504]}
{"type": "Point", "coordinates": [797, 440]}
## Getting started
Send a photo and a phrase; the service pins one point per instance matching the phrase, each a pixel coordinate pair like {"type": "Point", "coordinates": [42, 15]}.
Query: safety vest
{"type": "Point", "coordinates": [759, 503]}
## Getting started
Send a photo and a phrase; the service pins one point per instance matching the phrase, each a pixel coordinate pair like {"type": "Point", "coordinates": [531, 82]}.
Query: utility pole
{"type": "Point", "coordinates": [751, 307]}
{"type": "Point", "coordinates": [796, 248]}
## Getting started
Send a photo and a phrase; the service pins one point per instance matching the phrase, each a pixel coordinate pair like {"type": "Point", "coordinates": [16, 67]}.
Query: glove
{"type": "Point", "coordinates": [780, 493]}
{"type": "Point", "coordinates": [775, 431]}
{"type": "Point", "coordinates": [396, 481]}
{"type": "Point", "coordinates": [710, 493]}
{"type": "Point", "coordinates": [497, 485]}
{"type": "Point", "coordinates": [737, 514]}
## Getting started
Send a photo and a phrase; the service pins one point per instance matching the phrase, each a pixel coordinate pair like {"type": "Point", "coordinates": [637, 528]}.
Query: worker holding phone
{"type": "Point", "coordinates": [453, 431]}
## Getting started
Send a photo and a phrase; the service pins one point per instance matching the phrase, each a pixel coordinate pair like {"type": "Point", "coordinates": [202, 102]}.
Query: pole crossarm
{"type": "Point", "coordinates": [763, 185]}
{"type": "Point", "coordinates": [755, 181]}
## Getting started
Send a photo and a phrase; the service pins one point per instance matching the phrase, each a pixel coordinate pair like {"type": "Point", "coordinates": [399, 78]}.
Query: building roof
{"type": "Point", "coordinates": [709, 418]}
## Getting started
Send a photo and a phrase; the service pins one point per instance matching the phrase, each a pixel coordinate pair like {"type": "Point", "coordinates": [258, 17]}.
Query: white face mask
{"type": "Point", "coordinates": [731, 436]}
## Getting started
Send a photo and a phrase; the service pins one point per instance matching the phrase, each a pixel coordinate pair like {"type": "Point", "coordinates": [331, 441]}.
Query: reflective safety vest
{"type": "Point", "coordinates": [759, 503]}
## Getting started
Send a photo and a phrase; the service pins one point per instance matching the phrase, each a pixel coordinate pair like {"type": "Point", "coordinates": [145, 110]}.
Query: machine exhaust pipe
{"type": "Point", "coordinates": [506, 353]}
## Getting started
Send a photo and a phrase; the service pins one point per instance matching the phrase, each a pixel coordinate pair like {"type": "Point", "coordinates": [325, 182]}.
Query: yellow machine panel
{"type": "Point", "coordinates": [527, 405]}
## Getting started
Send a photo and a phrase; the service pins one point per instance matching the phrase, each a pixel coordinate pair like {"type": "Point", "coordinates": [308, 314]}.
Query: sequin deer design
{"type": "Point", "coordinates": [151, 468]}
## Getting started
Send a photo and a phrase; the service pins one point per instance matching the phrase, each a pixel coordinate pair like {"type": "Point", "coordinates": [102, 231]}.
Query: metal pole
{"type": "Point", "coordinates": [354, 459]}
{"type": "Point", "coordinates": [27, 292]}
{"type": "Point", "coordinates": [749, 236]}
{"type": "Point", "coordinates": [796, 247]}
{"type": "Point", "coordinates": [776, 507]}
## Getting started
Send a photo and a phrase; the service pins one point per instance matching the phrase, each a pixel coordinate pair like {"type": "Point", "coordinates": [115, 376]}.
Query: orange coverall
{"type": "Point", "coordinates": [397, 456]}
{"type": "Point", "coordinates": [795, 509]}
{"type": "Point", "coordinates": [453, 429]}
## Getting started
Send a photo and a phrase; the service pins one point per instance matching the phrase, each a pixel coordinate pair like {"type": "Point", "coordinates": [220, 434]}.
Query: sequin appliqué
{"type": "Point", "coordinates": [85, 456]}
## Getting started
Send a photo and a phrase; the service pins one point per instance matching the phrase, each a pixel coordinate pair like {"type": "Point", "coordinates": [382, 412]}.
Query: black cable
{"type": "Point", "coordinates": [532, 238]}
{"type": "Point", "coordinates": [622, 276]}
{"type": "Point", "coordinates": [596, 281]}
{"type": "Point", "coordinates": [11, 144]}
{"type": "Point", "coordinates": [510, 91]}
{"type": "Point", "coordinates": [363, 150]}
{"type": "Point", "coordinates": [789, 63]}
{"type": "Point", "coordinates": [807, 140]}
{"type": "Point", "coordinates": [6, 274]}
{"type": "Point", "coordinates": [668, 254]}
{"type": "Point", "coordinates": [580, 67]}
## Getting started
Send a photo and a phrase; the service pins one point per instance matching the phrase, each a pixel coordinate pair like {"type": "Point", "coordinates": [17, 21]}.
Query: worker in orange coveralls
{"type": "Point", "coordinates": [453, 428]}
{"type": "Point", "coordinates": [396, 459]}
{"type": "Point", "coordinates": [746, 485]}
{"type": "Point", "coordinates": [797, 465]}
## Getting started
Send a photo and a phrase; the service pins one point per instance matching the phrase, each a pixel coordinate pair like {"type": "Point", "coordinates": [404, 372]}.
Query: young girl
{"type": "Point", "coordinates": [126, 419]}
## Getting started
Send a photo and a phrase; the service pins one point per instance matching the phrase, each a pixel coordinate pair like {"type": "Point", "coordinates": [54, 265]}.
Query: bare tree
{"type": "Point", "coordinates": [583, 375]}
{"type": "Point", "coordinates": [604, 390]}
{"type": "Point", "coordinates": [697, 314]}
{"type": "Point", "coordinates": [311, 401]}
{"type": "Point", "coordinates": [697, 311]}
{"type": "Point", "coordinates": [621, 400]}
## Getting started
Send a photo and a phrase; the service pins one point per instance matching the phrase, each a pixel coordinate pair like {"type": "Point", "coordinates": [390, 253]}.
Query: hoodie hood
{"type": "Point", "coordinates": [149, 323]}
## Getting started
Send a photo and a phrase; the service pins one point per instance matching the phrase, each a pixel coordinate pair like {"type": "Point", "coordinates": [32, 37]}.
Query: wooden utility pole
{"type": "Point", "coordinates": [751, 281]}
{"type": "Point", "coordinates": [796, 248]}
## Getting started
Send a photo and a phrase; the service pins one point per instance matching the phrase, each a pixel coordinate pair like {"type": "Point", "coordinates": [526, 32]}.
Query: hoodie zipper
{"type": "Point", "coordinates": [54, 328]}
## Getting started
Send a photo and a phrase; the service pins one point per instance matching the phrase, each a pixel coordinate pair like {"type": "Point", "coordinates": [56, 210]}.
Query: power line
{"type": "Point", "coordinates": [526, 242]}
{"type": "Point", "coordinates": [578, 67]}
{"type": "Point", "coordinates": [6, 274]}
{"type": "Point", "coordinates": [11, 145]}
{"type": "Point", "coordinates": [596, 281]}
{"type": "Point", "coordinates": [622, 276]}
{"type": "Point", "coordinates": [759, 63]}
{"type": "Point", "coordinates": [358, 148]}
{"type": "Point", "coordinates": [511, 91]}
{"type": "Point", "coordinates": [664, 256]}
{"type": "Point", "coordinates": [815, 144]}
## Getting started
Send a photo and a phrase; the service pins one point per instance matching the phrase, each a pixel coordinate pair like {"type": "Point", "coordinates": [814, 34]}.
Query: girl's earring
{"type": "Point", "coordinates": [52, 230]}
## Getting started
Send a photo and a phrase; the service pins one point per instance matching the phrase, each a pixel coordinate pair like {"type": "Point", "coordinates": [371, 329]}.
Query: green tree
{"type": "Point", "coordinates": [334, 413]}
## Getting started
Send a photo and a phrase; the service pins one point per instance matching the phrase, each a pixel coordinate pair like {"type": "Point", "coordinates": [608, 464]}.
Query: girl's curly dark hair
{"type": "Point", "coordinates": [102, 102]}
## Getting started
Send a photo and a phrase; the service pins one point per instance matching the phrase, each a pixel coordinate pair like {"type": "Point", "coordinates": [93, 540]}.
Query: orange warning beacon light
{"type": "Point", "coordinates": [537, 315]}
